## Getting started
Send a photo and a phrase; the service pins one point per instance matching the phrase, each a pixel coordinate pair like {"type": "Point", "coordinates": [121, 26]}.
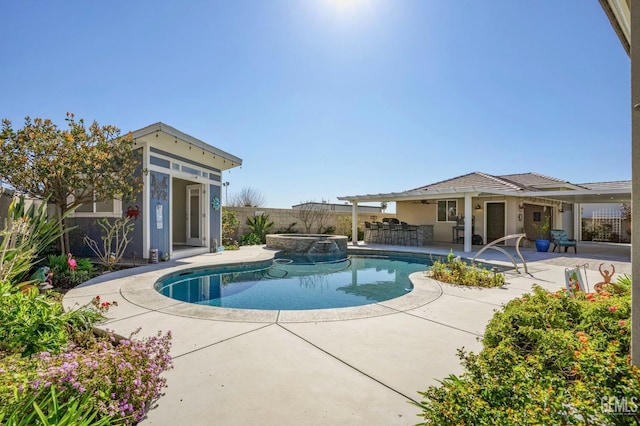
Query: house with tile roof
{"type": "Point", "coordinates": [490, 207]}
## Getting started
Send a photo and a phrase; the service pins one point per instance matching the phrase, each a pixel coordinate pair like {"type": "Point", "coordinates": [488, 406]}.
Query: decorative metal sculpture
{"type": "Point", "coordinates": [606, 276]}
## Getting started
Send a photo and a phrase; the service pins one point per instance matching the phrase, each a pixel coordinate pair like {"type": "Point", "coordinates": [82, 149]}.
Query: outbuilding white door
{"type": "Point", "coordinates": [194, 215]}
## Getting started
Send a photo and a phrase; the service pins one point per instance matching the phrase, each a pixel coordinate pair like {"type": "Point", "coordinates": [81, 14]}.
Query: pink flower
{"type": "Point", "coordinates": [612, 309]}
{"type": "Point", "coordinates": [622, 323]}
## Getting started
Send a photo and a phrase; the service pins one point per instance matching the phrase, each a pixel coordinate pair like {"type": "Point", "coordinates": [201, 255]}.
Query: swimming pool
{"type": "Point", "coordinates": [284, 285]}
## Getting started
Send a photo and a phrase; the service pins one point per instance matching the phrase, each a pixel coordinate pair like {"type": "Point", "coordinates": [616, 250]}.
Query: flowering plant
{"type": "Point", "coordinates": [122, 379]}
{"type": "Point", "coordinates": [100, 306]}
{"type": "Point", "coordinates": [547, 358]}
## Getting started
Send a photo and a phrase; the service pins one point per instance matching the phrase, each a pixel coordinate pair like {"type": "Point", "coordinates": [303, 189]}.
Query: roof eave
{"type": "Point", "coordinates": [619, 14]}
{"type": "Point", "coordinates": [424, 194]}
{"type": "Point", "coordinates": [165, 128]}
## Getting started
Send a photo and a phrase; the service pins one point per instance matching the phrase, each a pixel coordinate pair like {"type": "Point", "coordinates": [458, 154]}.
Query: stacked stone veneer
{"type": "Point", "coordinates": [308, 243]}
{"type": "Point", "coordinates": [425, 235]}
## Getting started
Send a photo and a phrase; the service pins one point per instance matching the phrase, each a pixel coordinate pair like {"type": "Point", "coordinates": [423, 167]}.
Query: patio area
{"type": "Point", "coordinates": [338, 366]}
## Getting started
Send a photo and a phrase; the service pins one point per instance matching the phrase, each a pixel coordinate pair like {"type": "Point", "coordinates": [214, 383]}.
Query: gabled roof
{"type": "Point", "coordinates": [513, 185]}
{"type": "Point", "coordinates": [513, 182]}
{"type": "Point", "coordinates": [533, 181]}
{"type": "Point", "coordinates": [475, 179]}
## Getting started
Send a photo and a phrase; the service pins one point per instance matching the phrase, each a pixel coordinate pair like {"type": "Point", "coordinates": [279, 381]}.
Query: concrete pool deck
{"type": "Point", "coordinates": [342, 366]}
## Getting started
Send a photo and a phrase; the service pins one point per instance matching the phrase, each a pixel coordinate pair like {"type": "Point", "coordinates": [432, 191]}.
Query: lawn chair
{"type": "Point", "coordinates": [559, 239]}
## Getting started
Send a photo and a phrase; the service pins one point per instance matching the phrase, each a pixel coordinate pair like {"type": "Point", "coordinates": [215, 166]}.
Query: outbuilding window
{"type": "Point", "coordinates": [106, 208]}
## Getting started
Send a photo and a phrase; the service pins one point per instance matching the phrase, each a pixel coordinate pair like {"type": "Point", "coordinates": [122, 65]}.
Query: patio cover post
{"type": "Point", "coordinates": [468, 223]}
{"type": "Point", "coordinates": [635, 181]}
{"type": "Point", "coordinates": [354, 224]}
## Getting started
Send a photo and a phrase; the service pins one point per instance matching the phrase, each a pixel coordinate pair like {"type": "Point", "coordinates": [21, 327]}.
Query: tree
{"type": "Point", "coordinates": [311, 213]}
{"type": "Point", "coordinates": [383, 206]}
{"type": "Point", "coordinates": [70, 166]}
{"type": "Point", "coordinates": [230, 224]}
{"type": "Point", "coordinates": [247, 197]}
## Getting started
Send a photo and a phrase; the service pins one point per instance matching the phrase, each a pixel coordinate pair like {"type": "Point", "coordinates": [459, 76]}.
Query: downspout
{"type": "Point", "coordinates": [354, 224]}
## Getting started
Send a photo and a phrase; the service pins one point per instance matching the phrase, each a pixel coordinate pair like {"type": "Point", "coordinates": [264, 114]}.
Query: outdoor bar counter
{"type": "Point", "coordinates": [398, 234]}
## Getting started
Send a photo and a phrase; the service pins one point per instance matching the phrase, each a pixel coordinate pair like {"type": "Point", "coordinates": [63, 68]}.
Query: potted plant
{"type": "Point", "coordinates": [543, 243]}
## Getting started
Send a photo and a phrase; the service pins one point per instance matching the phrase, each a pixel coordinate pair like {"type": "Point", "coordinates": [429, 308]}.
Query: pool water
{"type": "Point", "coordinates": [284, 285]}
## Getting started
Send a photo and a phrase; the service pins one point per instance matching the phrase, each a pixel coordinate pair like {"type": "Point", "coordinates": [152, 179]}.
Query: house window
{"type": "Point", "coordinates": [447, 210]}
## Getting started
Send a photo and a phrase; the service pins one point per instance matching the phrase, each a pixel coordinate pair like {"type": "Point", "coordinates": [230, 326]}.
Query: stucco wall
{"type": "Point", "coordinates": [419, 213]}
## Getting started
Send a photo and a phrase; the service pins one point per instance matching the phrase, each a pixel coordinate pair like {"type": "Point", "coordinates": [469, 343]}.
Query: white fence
{"type": "Point", "coordinates": [606, 225]}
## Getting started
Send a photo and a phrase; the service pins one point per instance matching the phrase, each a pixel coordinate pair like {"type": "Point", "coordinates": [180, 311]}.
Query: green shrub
{"type": "Point", "coordinates": [250, 239]}
{"type": "Point", "coordinates": [329, 230]}
{"type": "Point", "coordinates": [260, 227]}
{"type": "Point", "coordinates": [230, 224]}
{"type": "Point", "coordinates": [27, 232]}
{"type": "Point", "coordinates": [32, 322]}
{"type": "Point", "coordinates": [291, 229]}
{"type": "Point", "coordinates": [457, 271]}
{"type": "Point", "coordinates": [64, 277]}
{"type": "Point", "coordinates": [548, 358]}
{"type": "Point", "coordinates": [49, 407]}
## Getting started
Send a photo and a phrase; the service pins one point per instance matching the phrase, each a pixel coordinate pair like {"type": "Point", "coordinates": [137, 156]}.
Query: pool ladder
{"type": "Point", "coordinates": [492, 245]}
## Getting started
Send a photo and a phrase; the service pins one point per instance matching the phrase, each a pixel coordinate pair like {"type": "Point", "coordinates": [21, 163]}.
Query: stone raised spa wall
{"type": "Point", "coordinates": [301, 243]}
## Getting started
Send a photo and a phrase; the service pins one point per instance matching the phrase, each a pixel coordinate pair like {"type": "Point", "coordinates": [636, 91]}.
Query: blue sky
{"type": "Point", "coordinates": [323, 98]}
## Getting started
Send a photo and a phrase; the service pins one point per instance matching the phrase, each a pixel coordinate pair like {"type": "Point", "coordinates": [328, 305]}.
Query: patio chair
{"type": "Point", "coordinates": [559, 239]}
